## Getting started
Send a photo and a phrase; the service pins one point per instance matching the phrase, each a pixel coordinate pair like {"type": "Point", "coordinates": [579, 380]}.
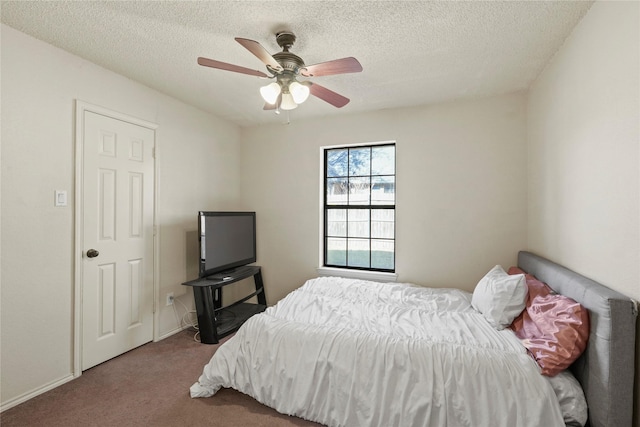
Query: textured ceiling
{"type": "Point", "coordinates": [412, 52]}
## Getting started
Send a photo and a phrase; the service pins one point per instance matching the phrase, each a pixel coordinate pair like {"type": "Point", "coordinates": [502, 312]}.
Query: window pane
{"type": "Point", "coordinates": [337, 191]}
{"type": "Point", "coordinates": [359, 191]}
{"type": "Point", "coordinates": [336, 222]}
{"type": "Point", "coordinates": [358, 253]}
{"type": "Point", "coordinates": [382, 254]}
{"type": "Point", "coordinates": [383, 223]}
{"type": "Point", "coordinates": [383, 160]}
{"type": "Point", "coordinates": [336, 251]}
{"type": "Point", "coordinates": [359, 161]}
{"type": "Point", "coordinates": [358, 222]}
{"type": "Point", "coordinates": [383, 190]}
{"type": "Point", "coordinates": [337, 162]}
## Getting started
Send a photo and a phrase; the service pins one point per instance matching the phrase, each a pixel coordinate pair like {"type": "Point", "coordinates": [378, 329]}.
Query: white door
{"type": "Point", "coordinates": [117, 242]}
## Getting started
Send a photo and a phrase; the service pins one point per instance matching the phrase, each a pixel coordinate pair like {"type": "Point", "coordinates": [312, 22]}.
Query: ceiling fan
{"type": "Point", "coordinates": [286, 92]}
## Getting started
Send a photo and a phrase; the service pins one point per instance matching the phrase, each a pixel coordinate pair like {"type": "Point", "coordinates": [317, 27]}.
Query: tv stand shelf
{"type": "Point", "coordinates": [216, 321]}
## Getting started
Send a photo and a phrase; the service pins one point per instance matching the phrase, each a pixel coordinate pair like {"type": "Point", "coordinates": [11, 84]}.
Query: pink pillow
{"type": "Point", "coordinates": [554, 328]}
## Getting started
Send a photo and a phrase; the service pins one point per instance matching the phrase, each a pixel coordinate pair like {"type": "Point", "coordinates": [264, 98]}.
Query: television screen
{"type": "Point", "coordinates": [227, 241]}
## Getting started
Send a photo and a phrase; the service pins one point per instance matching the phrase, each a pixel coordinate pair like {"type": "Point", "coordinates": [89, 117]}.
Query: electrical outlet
{"type": "Point", "coordinates": [170, 298]}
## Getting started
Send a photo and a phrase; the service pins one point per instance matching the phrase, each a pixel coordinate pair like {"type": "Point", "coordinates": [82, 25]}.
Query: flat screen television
{"type": "Point", "coordinates": [227, 241]}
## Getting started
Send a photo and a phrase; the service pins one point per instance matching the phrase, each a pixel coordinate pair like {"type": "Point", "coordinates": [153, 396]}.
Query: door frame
{"type": "Point", "coordinates": [80, 108]}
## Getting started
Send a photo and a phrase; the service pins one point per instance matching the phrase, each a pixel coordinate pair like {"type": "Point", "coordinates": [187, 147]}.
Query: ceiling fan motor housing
{"type": "Point", "coordinates": [288, 61]}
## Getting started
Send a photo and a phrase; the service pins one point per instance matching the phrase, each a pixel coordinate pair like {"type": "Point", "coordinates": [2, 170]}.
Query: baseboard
{"type": "Point", "coordinates": [36, 392]}
{"type": "Point", "coordinates": [171, 332]}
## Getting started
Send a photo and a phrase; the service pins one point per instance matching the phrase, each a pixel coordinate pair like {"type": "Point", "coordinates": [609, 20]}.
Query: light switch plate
{"type": "Point", "coordinates": [61, 198]}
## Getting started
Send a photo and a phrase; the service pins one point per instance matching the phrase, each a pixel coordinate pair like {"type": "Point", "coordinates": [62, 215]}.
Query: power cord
{"type": "Point", "coordinates": [186, 319]}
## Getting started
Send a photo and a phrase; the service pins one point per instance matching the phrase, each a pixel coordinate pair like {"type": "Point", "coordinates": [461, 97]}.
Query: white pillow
{"type": "Point", "coordinates": [500, 297]}
{"type": "Point", "coordinates": [571, 398]}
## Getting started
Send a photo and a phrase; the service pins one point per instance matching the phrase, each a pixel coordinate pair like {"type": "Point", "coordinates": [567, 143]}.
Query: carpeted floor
{"type": "Point", "coordinates": [148, 386]}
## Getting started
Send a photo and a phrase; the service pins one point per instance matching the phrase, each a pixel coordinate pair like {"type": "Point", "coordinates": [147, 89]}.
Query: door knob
{"type": "Point", "coordinates": [92, 253]}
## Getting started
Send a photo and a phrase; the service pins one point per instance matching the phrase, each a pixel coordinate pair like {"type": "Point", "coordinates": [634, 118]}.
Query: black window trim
{"type": "Point", "coordinates": [369, 207]}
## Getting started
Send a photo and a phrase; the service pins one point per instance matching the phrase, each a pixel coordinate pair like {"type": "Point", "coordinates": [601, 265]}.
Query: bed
{"type": "Point", "coordinates": [346, 352]}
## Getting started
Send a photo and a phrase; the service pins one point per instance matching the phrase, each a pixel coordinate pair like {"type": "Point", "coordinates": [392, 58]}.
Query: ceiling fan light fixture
{"type": "Point", "coordinates": [287, 102]}
{"type": "Point", "coordinates": [270, 93]}
{"type": "Point", "coordinates": [299, 92]}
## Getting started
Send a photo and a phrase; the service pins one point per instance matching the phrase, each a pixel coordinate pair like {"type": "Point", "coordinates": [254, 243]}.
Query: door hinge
{"type": "Point", "coordinates": [153, 152]}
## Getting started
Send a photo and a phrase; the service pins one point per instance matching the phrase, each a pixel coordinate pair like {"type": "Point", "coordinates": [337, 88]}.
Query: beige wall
{"type": "Point", "coordinates": [198, 163]}
{"type": "Point", "coordinates": [461, 198]}
{"type": "Point", "coordinates": [584, 153]}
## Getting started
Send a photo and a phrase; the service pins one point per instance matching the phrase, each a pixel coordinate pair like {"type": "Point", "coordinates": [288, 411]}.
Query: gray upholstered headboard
{"type": "Point", "coordinates": [606, 369]}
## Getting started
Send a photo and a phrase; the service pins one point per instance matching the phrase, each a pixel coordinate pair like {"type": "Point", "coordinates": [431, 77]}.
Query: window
{"type": "Point", "coordinates": [359, 207]}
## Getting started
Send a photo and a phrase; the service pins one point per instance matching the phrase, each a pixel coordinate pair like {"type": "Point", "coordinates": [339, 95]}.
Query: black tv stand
{"type": "Point", "coordinates": [228, 274]}
{"type": "Point", "coordinates": [216, 321]}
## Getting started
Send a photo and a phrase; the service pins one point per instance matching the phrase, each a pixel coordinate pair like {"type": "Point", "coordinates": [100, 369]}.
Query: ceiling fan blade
{"type": "Point", "coordinates": [327, 95]}
{"type": "Point", "coordinates": [229, 67]}
{"type": "Point", "coordinates": [337, 66]}
{"type": "Point", "coordinates": [260, 52]}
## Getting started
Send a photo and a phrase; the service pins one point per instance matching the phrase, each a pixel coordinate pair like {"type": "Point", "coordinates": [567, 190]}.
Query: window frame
{"type": "Point", "coordinates": [346, 270]}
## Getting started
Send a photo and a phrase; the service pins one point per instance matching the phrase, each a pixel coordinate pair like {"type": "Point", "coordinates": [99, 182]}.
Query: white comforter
{"type": "Point", "coordinates": [346, 352]}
